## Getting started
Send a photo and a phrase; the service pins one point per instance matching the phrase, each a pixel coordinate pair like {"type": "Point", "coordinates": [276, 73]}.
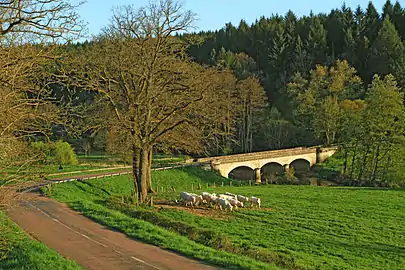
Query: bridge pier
{"type": "Point", "coordinates": [258, 176]}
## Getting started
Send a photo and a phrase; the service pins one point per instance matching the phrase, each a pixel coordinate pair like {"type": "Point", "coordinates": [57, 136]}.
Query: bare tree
{"type": "Point", "coordinates": [154, 93]}
{"type": "Point", "coordinates": [252, 101]}
{"type": "Point", "coordinates": [26, 106]}
{"type": "Point", "coordinates": [39, 19]}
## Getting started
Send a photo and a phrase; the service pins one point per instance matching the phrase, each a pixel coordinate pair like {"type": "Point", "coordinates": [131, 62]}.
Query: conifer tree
{"type": "Point", "coordinates": [316, 41]}
{"type": "Point", "coordinates": [372, 22]}
{"type": "Point", "coordinates": [398, 18]}
{"type": "Point", "coordinates": [387, 53]}
{"type": "Point", "coordinates": [388, 10]}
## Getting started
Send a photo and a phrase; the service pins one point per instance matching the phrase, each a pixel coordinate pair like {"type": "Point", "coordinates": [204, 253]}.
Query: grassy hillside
{"type": "Point", "coordinates": [18, 251]}
{"type": "Point", "coordinates": [186, 178]}
{"type": "Point", "coordinates": [299, 227]}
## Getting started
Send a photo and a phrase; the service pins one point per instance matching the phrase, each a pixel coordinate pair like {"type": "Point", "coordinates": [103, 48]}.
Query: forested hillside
{"type": "Point", "coordinates": [276, 49]}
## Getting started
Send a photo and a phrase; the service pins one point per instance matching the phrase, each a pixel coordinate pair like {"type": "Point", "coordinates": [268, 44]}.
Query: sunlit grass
{"type": "Point", "coordinates": [304, 227]}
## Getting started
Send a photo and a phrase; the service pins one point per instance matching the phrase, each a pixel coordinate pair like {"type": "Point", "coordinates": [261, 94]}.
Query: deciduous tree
{"type": "Point", "coordinates": [317, 101]}
{"type": "Point", "coordinates": [150, 90]}
{"type": "Point", "coordinates": [26, 107]}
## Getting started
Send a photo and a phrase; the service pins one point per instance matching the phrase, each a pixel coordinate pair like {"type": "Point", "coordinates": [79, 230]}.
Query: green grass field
{"type": "Point", "coordinates": [18, 251]}
{"type": "Point", "coordinates": [299, 227]}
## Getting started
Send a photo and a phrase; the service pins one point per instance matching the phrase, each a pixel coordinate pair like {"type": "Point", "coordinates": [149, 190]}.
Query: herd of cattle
{"type": "Point", "coordinates": [223, 201]}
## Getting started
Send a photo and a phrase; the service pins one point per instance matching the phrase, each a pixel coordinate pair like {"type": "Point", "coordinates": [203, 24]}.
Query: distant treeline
{"type": "Point", "coordinates": [276, 48]}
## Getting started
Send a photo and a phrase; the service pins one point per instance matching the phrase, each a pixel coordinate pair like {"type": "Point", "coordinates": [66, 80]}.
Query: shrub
{"type": "Point", "coordinates": [64, 154]}
{"type": "Point", "coordinates": [44, 149]}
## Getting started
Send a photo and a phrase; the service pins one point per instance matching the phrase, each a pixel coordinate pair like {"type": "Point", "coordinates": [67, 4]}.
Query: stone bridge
{"type": "Point", "coordinates": [276, 161]}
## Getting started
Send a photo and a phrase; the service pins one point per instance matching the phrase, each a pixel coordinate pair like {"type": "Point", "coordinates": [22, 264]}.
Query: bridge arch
{"type": "Point", "coordinates": [301, 165]}
{"type": "Point", "coordinates": [272, 168]}
{"type": "Point", "coordinates": [270, 171]}
{"type": "Point", "coordinates": [242, 173]}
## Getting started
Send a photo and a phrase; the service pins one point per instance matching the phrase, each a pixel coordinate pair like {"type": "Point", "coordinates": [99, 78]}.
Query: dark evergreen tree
{"type": "Point", "coordinates": [316, 41]}
{"type": "Point", "coordinates": [372, 23]}
{"type": "Point", "coordinates": [243, 40]}
{"type": "Point", "coordinates": [398, 18]}
{"type": "Point", "coordinates": [388, 10]}
{"type": "Point", "coordinates": [387, 53]}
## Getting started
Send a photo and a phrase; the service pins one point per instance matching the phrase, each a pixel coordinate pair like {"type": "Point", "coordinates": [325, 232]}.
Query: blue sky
{"type": "Point", "coordinates": [213, 14]}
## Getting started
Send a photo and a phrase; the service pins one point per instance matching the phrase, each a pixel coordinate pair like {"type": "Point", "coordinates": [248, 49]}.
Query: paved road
{"type": "Point", "coordinates": [88, 243]}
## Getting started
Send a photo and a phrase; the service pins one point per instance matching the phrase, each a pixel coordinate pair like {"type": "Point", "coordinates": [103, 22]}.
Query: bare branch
{"type": "Point", "coordinates": [39, 20]}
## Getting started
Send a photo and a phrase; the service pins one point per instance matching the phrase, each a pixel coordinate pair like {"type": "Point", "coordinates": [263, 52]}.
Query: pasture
{"type": "Point", "coordinates": [298, 227]}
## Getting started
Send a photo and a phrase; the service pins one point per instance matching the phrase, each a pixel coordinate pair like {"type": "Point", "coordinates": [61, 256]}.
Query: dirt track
{"type": "Point", "coordinates": [90, 244]}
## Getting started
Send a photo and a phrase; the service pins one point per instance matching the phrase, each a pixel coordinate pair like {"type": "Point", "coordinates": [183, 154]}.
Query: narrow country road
{"type": "Point", "coordinates": [90, 244]}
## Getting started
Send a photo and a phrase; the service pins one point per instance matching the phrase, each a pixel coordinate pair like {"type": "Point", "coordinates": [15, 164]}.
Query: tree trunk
{"type": "Point", "coordinates": [246, 135]}
{"type": "Point", "coordinates": [345, 150]}
{"type": "Point", "coordinates": [375, 167]}
{"type": "Point", "coordinates": [250, 128]}
{"type": "Point", "coordinates": [144, 171]}
{"type": "Point", "coordinates": [136, 154]}
{"type": "Point", "coordinates": [327, 137]}
{"type": "Point", "coordinates": [364, 163]}
{"type": "Point", "coordinates": [386, 168]}
{"type": "Point", "coordinates": [243, 130]}
{"type": "Point", "coordinates": [149, 177]}
{"type": "Point", "coordinates": [353, 160]}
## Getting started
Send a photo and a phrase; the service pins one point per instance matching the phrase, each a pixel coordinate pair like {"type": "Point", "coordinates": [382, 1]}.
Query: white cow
{"type": "Point", "coordinates": [208, 198]}
{"type": "Point", "coordinates": [236, 203]}
{"type": "Point", "coordinates": [224, 204]}
{"type": "Point", "coordinates": [188, 198]}
{"type": "Point", "coordinates": [242, 198]}
{"type": "Point", "coordinates": [227, 197]}
{"type": "Point", "coordinates": [198, 199]}
{"type": "Point", "coordinates": [254, 201]}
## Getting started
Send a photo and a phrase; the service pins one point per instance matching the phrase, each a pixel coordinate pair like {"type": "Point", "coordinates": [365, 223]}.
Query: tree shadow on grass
{"type": "Point", "coordinates": [92, 186]}
{"type": "Point", "coordinates": [373, 249]}
{"type": "Point", "coordinates": [373, 188]}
